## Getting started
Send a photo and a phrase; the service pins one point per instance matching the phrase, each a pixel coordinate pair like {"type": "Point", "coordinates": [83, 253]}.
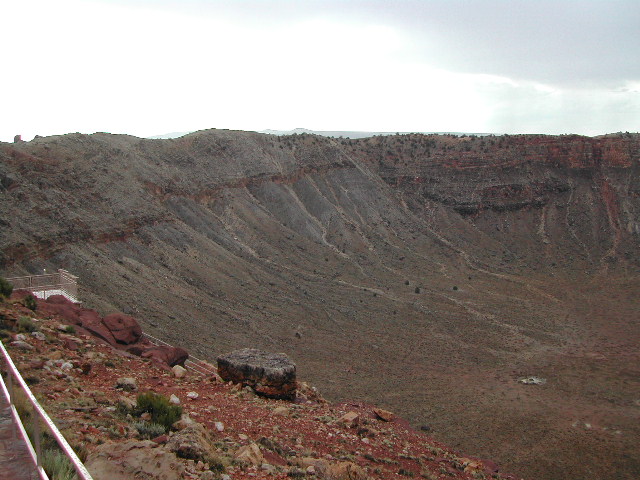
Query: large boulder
{"type": "Point", "coordinates": [90, 320]}
{"type": "Point", "coordinates": [125, 329]}
{"type": "Point", "coordinates": [60, 305]}
{"type": "Point", "coordinates": [270, 374]}
{"type": "Point", "coordinates": [142, 460]}
{"type": "Point", "coordinates": [164, 354]}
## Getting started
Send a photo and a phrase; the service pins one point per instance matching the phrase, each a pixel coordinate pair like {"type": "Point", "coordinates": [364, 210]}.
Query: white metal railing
{"type": "Point", "coordinates": [60, 282]}
{"type": "Point", "coordinates": [13, 378]}
{"type": "Point", "coordinates": [198, 366]}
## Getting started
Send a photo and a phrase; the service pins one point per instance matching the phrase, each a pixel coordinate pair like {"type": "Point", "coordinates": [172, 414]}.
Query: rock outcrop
{"type": "Point", "coordinates": [125, 329]}
{"type": "Point", "coordinates": [270, 374]}
{"type": "Point", "coordinates": [118, 330]}
{"type": "Point", "coordinates": [143, 460]}
{"type": "Point", "coordinates": [192, 442]}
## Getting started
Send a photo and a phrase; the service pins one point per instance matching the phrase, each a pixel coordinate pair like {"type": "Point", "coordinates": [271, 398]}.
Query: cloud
{"type": "Point", "coordinates": [151, 67]}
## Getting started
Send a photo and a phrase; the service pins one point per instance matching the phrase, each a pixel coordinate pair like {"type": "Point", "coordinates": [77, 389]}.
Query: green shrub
{"type": "Point", "coordinates": [417, 290]}
{"type": "Point", "coordinates": [216, 463]}
{"type": "Point", "coordinates": [70, 329]}
{"type": "Point", "coordinates": [161, 410]}
{"type": "Point", "coordinates": [149, 430]}
{"type": "Point", "coordinates": [455, 287]}
{"type": "Point", "coordinates": [26, 325]}
{"type": "Point", "coordinates": [57, 465]}
{"type": "Point", "coordinates": [5, 288]}
{"type": "Point", "coordinates": [30, 302]}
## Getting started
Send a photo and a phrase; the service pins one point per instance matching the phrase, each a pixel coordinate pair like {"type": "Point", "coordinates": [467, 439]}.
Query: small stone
{"type": "Point", "coordinates": [39, 336]}
{"type": "Point", "coordinates": [127, 403]}
{"type": "Point", "coordinates": [21, 337]}
{"type": "Point", "coordinates": [21, 345]}
{"type": "Point", "coordinates": [219, 426]}
{"type": "Point", "coordinates": [224, 476]}
{"type": "Point", "coordinates": [345, 470]}
{"type": "Point", "coordinates": [70, 344]}
{"type": "Point", "coordinates": [350, 419]}
{"type": "Point", "coordinates": [532, 381]}
{"type": "Point", "coordinates": [55, 355]}
{"type": "Point", "coordinates": [311, 470]}
{"type": "Point", "coordinates": [146, 416]}
{"type": "Point", "coordinates": [282, 411]}
{"type": "Point", "coordinates": [161, 439]}
{"type": "Point", "coordinates": [173, 399]}
{"type": "Point", "coordinates": [384, 415]}
{"type": "Point", "coordinates": [192, 395]}
{"type": "Point", "coordinates": [183, 423]}
{"type": "Point", "coordinates": [66, 366]}
{"type": "Point", "coordinates": [242, 436]}
{"type": "Point", "coordinates": [178, 371]}
{"type": "Point", "coordinates": [251, 454]}
{"type": "Point", "coordinates": [127, 384]}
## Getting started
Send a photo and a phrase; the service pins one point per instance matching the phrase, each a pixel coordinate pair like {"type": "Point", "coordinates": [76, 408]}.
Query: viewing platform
{"type": "Point", "coordinates": [43, 286]}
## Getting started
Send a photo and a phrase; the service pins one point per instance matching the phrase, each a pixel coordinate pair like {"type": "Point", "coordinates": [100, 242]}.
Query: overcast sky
{"type": "Point", "coordinates": [152, 67]}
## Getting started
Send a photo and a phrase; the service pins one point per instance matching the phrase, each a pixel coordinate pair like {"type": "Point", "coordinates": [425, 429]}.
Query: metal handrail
{"type": "Point", "coordinates": [190, 364]}
{"type": "Point", "coordinates": [61, 280]}
{"type": "Point", "coordinates": [35, 451]}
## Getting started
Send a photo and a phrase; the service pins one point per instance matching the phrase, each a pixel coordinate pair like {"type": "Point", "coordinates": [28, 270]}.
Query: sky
{"type": "Point", "coordinates": [144, 67]}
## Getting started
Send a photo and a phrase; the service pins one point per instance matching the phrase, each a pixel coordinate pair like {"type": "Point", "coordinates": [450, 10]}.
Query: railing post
{"type": "Point", "coordinates": [14, 428]}
{"type": "Point", "coordinates": [36, 435]}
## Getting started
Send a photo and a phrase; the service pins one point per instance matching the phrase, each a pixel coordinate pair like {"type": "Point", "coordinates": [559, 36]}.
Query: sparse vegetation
{"type": "Point", "coordinates": [158, 406]}
{"type": "Point", "coordinates": [5, 288]}
{"type": "Point", "coordinates": [149, 430]}
{"type": "Point", "coordinates": [417, 290]}
{"type": "Point", "coordinates": [216, 464]}
{"type": "Point", "coordinates": [70, 329]}
{"type": "Point", "coordinates": [31, 303]}
{"type": "Point", "coordinates": [57, 465]}
{"type": "Point", "coordinates": [26, 325]}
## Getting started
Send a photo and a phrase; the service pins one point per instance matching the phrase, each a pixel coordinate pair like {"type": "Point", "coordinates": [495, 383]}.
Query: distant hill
{"type": "Point", "coordinates": [355, 134]}
{"type": "Point", "coordinates": [327, 133]}
{"type": "Point", "coordinates": [166, 136]}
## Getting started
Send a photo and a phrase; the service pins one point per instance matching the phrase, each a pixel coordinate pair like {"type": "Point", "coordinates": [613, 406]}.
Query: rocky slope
{"type": "Point", "coordinates": [427, 274]}
{"type": "Point", "coordinates": [90, 388]}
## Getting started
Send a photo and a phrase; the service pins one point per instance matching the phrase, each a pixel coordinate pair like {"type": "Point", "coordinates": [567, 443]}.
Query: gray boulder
{"type": "Point", "coordinates": [270, 374]}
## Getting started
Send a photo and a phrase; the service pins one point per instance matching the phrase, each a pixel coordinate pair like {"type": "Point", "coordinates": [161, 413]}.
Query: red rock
{"type": "Point", "coordinates": [273, 458]}
{"type": "Point", "coordinates": [19, 294]}
{"type": "Point", "coordinates": [59, 300]}
{"type": "Point", "coordinates": [69, 344]}
{"type": "Point", "coordinates": [125, 329]}
{"type": "Point", "coordinates": [93, 323]}
{"type": "Point", "coordinates": [161, 439]}
{"type": "Point", "coordinates": [350, 419]}
{"type": "Point", "coordinates": [170, 356]}
{"type": "Point", "coordinates": [490, 467]}
{"type": "Point", "coordinates": [384, 415]}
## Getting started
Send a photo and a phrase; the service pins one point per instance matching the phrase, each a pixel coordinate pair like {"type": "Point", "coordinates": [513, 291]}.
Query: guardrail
{"type": "Point", "coordinates": [61, 282]}
{"type": "Point", "coordinates": [14, 378]}
{"type": "Point", "coordinates": [192, 363]}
